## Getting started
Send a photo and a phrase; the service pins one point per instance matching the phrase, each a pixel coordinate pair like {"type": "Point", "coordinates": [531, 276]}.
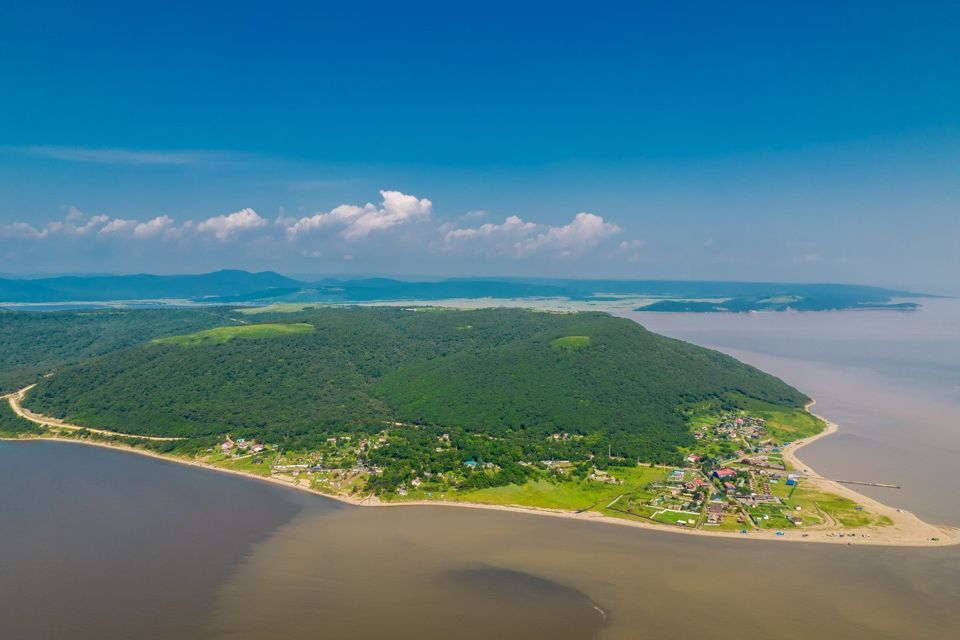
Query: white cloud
{"type": "Point", "coordinates": [75, 224]}
{"type": "Point", "coordinates": [512, 229]}
{"type": "Point", "coordinates": [513, 237]}
{"type": "Point", "coordinates": [118, 225]}
{"type": "Point", "coordinates": [152, 227]}
{"type": "Point", "coordinates": [226, 225]}
{"type": "Point", "coordinates": [519, 237]}
{"type": "Point", "coordinates": [584, 232]}
{"type": "Point", "coordinates": [21, 230]}
{"type": "Point", "coordinates": [148, 229]}
{"type": "Point", "coordinates": [359, 222]}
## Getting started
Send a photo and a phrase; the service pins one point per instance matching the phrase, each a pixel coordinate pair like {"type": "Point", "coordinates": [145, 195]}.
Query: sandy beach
{"type": "Point", "coordinates": [907, 529]}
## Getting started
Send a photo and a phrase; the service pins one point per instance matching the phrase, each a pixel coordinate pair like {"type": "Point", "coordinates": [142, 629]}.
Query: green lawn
{"type": "Point", "coordinates": [244, 464]}
{"type": "Point", "coordinates": [220, 335]}
{"type": "Point", "coordinates": [571, 342]}
{"type": "Point", "coordinates": [782, 424]}
{"type": "Point", "coordinates": [281, 307]}
{"type": "Point", "coordinates": [673, 517]}
{"type": "Point", "coordinates": [572, 495]}
{"type": "Point", "coordinates": [841, 509]}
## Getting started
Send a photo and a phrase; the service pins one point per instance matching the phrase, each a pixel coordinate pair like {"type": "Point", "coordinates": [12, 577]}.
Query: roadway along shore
{"type": "Point", "coordinates": [907, 529]}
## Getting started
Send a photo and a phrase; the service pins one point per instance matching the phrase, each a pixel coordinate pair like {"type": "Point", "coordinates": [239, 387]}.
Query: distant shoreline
{"type": "Point", "coordinates": [907, 529]}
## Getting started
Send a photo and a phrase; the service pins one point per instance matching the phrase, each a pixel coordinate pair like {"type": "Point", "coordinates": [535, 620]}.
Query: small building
{"type": "Point", "coordinates": [725, 473]}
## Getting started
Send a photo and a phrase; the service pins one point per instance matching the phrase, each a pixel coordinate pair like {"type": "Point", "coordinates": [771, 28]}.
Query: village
{"type": "Point", "coordinates": [733, 478]}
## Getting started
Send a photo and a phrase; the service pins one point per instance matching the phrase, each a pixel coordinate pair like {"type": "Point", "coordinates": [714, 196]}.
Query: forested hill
{"type": "Point", "coordinates": [502, 372]}
{"type": "Point", "coordinates": [35, 343]}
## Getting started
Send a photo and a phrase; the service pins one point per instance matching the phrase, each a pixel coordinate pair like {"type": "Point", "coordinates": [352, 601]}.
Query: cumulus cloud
{"type": "Point", "coordinates": [225, 226]}
{"type": "Point", "coordinates": [118, 225]}
{"type": "Point", "coordinates": [517, 236]}
{"type": "Point", "coordinates": [358, 222]}
{"type": "Point", "coordinates": [75, 223]}
{"type": "Point", "coordinates": [584, 232]}
{"type": "Point", "coordinates": [153, 227]}
{"type": "Point", "coordinates": [137, 229]}
{"type": "Point", "coordinates": [21, 230]}
{"type": "Point", "coordinates": [513, 226]}
{"type": "Point", "coordinates": [407, 216]}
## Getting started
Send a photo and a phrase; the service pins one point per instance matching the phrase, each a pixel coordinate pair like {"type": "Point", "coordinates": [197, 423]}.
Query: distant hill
{"type": "Point", "coordinates": [513, 375]}
{"type": "Point", "coordinates": [142, 286]}
{"type": "Point", "coordinates": [241, 287]}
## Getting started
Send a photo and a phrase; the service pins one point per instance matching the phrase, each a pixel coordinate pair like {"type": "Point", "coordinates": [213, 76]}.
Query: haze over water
{"type": "Point", "coordinates": [103, 544]}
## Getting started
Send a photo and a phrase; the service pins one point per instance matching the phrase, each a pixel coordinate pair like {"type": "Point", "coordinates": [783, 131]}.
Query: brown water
{"type": "Point", "coordinates": [103, 544]}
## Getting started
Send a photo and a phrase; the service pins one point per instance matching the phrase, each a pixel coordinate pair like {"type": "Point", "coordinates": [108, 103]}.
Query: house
{"type": "Point", "coordinates": [715, 507]}
{"type": "Point", "coordinates": [226, 446]}
{"type": "Point", "coordinates": [725, 473]}
{"type": "Point", "coordinates": [729, 487]}
{"type": "Point", "coordinates": [694, 458]}
{"type": "Point", "coordinates": [256, 447]}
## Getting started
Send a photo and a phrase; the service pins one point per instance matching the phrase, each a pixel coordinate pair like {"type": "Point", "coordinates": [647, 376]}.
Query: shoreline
{"type": "Point", "coordinates": [907, 529]}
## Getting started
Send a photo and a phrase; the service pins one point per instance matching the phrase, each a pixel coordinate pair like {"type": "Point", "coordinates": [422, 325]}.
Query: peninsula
{"type": "Point", "coordinates": [578, 415]}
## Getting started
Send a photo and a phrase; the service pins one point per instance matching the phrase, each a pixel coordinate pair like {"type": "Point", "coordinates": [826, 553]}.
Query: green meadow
{"type": "Point", "coordinates": [220, 335]}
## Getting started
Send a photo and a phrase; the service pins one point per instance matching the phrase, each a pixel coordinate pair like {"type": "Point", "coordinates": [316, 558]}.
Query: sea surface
{"type": "Point", "coordinates": [96, 543]}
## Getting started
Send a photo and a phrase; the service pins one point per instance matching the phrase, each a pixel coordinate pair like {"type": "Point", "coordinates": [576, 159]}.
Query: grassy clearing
{"type": "Point", "coordinates": [845, 511]}
{"type": "Point", "coordinates": [244, 464]}
{"type": "Point", "coordinates": [783, 424]}
{"type": "Point", "coordinates": [572, 495]}
{"type": "Point", "coordinates": [219, 335]}
{"type": "Point", "coordinates": [675, 517]}
{"type": "Point", "coordinates": [571, 342]}
{"type": "Point", "coordinates": [281, 307]}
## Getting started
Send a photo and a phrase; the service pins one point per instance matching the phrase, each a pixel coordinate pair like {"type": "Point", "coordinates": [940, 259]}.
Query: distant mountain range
{"type": "Point", "coordinates": [242, 287]}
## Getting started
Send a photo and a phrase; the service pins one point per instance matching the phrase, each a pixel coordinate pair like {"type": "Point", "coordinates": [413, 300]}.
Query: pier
{"type": "Point", "coordinates": [882, 485]}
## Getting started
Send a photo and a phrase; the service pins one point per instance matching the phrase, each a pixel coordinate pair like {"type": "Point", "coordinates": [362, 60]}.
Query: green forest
{"type": "Point", "coordinates": [35, 343]}
{"type": "Point", "coordinates": [497, 382]}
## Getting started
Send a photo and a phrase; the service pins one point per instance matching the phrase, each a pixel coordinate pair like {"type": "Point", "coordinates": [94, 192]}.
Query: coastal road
{"type": "Point", "coordinates": [15, 400]}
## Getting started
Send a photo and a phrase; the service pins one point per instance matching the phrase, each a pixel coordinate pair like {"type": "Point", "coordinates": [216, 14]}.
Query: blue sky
{"type": "Point", "coordinates": [643, 140]}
